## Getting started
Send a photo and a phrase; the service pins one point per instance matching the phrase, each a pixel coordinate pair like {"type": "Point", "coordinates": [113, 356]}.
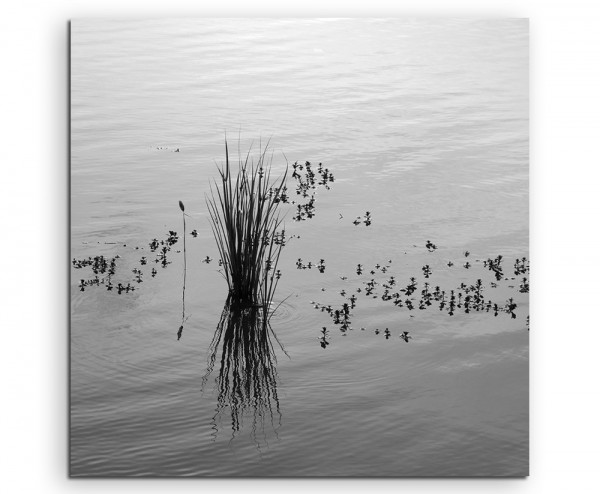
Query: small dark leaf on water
{"type": "Point", "coordinates": [181, 206]}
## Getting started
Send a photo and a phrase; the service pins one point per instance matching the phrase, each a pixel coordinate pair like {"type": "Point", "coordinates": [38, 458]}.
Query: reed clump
{"type": "Point", "coordinates": [245, 220]}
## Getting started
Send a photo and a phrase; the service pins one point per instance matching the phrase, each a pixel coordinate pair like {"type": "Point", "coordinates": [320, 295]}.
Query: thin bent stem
{"type": "Point", "coordinates": [183, 319]}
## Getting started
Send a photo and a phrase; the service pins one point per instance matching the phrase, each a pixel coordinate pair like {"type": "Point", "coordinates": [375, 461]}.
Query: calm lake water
{"type": "Point", "coordinates": [424, 123]}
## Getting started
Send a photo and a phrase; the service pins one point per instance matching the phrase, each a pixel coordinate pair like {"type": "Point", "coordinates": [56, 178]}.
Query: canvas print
{"type": "Point", "coordinates": [299, 248]}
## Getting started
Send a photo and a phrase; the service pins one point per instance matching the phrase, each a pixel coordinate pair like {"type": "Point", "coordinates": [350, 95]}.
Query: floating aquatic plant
{"type": "Point", "coordinates": [466, 298]}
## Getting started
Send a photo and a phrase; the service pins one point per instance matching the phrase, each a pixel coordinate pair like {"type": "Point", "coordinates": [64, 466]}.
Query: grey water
{"type": "Point", "coordinates": [424, 124]}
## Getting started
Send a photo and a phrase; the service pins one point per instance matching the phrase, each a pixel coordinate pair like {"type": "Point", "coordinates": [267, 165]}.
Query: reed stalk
{"type": "Point", "coordinates": [183, 318]}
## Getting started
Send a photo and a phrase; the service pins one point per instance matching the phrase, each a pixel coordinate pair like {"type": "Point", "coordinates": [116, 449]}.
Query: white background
{"type": "Point", "coordinates": [565, 333]}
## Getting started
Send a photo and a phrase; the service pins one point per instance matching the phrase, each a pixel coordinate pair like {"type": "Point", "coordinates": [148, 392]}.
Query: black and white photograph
{"type": "Point", "coordinates": [299, 247]}
{"type": "Point", "coordinates": [326, 246]}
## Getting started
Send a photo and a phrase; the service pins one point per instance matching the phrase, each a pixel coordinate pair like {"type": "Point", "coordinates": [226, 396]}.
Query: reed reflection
{"type": "Point", "coordinates": [247, 378]}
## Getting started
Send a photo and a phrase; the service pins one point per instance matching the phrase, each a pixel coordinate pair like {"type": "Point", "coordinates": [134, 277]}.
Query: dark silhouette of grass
{"type": "Point", "coordinates": [247, 376]}
{"type": "Point", "coordinates": [244, 213]}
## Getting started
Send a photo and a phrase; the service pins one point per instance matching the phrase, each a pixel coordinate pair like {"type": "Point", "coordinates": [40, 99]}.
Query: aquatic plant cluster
{"type": "Point", "coordinates": [320, 266]}
{"type": "Point", "coordinates": [367, 220]}
{"type": "Point", "coordinates": [413, 296]}
{"type": "Point", "coordinates": [306, 182]}
{"type": "Point", "coordinates": [101, 265]}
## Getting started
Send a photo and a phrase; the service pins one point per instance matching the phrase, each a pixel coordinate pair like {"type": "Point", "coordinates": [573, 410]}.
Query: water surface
{"type": "Point", "coordinates": [423, 123]}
